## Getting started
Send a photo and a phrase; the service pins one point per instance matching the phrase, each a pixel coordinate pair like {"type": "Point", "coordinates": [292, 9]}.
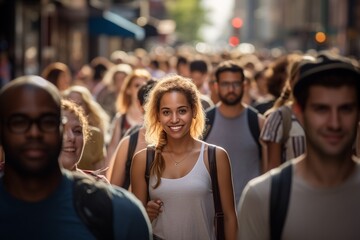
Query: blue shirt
{"type": "Point", "coordinates": [55, 217]}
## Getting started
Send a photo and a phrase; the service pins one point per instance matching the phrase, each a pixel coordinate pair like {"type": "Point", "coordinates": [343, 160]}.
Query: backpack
{"type": "Point", "coordinates": [219, 215]}
{"type": "Point", "coordinates": [279, 199]}
{"type": "Point", "coordinates": [123, 124]}
{"type": "Point", "coordinates": [253, 122]}
{"type": "Point", "coordinates": [93, 203]}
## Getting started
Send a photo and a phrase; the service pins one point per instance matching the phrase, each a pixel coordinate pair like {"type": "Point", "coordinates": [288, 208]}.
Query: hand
{"type": "Point", "coordinates": [154, 208]}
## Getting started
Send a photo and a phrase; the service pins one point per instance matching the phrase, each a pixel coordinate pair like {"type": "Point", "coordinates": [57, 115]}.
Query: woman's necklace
{"type": "Point", "coordinates": [176, 163]}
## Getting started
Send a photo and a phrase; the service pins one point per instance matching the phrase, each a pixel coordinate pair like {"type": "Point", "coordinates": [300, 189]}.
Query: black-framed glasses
{"type": "Point", "coordinates": [235, 85]}
{"type": "Point", "coordinates": [20, 123]}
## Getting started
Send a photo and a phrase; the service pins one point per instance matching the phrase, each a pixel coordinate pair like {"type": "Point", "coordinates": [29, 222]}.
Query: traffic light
{"type": "Point", "coordinates": [236, 24]}
{"type": "Point", "coordinates": [320, 37]}
{"type": "Point", "coordinates": [234, 41]}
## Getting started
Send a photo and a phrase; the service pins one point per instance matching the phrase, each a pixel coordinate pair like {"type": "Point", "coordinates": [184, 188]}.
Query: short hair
{"type": "Point", "coordinates": [325, 70]}
{"type": "Point", "coordinates": [198, 65]}
{"type": "Point", "coordinates": [181, 60]}
{"type": "Point", "coordinates": [229, 66]}
{"type": "Point", "coordinates": [30, 81]}
{"type": "Point", "coordinates": [144, 91]}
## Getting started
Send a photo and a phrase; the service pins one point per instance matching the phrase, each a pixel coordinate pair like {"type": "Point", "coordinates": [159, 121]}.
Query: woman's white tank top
{"type": "Point", "coordinates": [188, 209]}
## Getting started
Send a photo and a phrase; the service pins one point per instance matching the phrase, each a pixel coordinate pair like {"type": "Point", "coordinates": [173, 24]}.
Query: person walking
{"type": "Point", "coordinates": [235, 126]}
{"type": "Point", "coordinates": [314, 196]}
{"type": "Point", "coordinates": [178, 196]}
{"type": "Point", "coordinates": [119, 167]}
{"type": "Point", "coordinates": [40, 200]}
{"type": "Point", "coordinates": [76, 134]}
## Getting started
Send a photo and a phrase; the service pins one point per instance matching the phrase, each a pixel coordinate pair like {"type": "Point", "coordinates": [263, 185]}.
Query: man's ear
{"type": "Point", "coordinates": [298, 112]}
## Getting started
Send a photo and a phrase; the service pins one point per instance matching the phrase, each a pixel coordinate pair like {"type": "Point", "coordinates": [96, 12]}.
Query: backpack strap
{"type": "Point", "coordinates": [279, 200]}
{"type": "Point", "coordinates": [220, 232]}
{"type": "Point", "coordinates": [253, 121]}
{"type": "Point", "coordinates": [122, 121]}
{"type": "Point", "coordinates": [214, 180]}
{"type": "Point", "coordinates": [93, 204]}
{"type": "Point", "coordinates": [210, 117]}
{"type": "Point", "coordinates": [131, 150]}
{"type": "Point", "coordinates": [150, 154]}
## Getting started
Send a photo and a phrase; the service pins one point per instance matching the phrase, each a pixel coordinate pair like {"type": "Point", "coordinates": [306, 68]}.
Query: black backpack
{"type": "Point", "coordinates": [131, 150]}
{"type": "Point", "coordinates": [93, 203]}
{"type": "Point", "coordinates": [253, 122]}
{"type": "Point", "coordinates": [279, 199]}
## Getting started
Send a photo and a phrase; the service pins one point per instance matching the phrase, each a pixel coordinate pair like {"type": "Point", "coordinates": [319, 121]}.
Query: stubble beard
{"type": "Point", "coordinates": [232, 102]}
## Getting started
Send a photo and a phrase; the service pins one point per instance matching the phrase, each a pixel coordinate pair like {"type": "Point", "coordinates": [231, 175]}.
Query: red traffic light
{"type": "Point", "coordinates": [237, 22]}
{"type": "Point", "coordinates": [234, 41]}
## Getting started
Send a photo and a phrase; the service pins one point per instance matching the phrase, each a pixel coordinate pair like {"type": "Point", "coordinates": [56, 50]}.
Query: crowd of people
{"type": "Point", "coordinates": [138, 128]}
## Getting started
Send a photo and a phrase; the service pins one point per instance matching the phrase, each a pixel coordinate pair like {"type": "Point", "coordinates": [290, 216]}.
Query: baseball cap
{"type": "Point", "coordinates": [322, 63]}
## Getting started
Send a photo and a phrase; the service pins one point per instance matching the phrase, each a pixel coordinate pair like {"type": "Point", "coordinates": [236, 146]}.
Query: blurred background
{"type": "Point", "coordinates": [35, 33]}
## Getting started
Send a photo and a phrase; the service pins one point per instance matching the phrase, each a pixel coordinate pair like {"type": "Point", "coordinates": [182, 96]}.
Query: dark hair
{"type": "Point", "coordinates": [198, 65]}
{"type": "Point", "coordinates": [100, 65]}
{"type": "Point", "coordinates": [228, 66]}
{"type": "Point", "coordinates": [181, 60]}
{"type": "Point", "coordinates": [331, 78]}
{"type": "Point", "coordinates": [52, 72]}
{"type": "Point", "coordinates": [144, 90]}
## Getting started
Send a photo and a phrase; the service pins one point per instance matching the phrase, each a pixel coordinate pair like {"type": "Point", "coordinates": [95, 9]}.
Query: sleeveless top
{"type": "Point", "coordinates": [188, 210]}
{"type": "Point", "coordinates": [234, 135]}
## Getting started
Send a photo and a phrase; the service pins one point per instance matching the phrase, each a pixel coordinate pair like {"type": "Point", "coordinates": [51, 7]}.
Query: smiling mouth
{"type": "Point", "coordinates": [71, 150]}
{"type": "Point", "coordinates": [175, 128]}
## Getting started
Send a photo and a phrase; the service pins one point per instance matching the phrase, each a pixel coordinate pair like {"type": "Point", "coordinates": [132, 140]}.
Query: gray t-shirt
{"type": "Point", "coordinates": [313, 213]}
{"type": "Point", "coordinates": [233, 134]}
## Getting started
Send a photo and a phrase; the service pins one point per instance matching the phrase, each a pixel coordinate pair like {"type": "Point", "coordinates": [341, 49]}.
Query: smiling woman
{"type": "Point", "coordinates": [179, 182]}
{"type": "Point", "coordinates": [76, 133]}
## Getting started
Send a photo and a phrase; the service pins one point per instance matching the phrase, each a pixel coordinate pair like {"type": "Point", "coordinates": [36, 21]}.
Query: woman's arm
{"type": "Point", "coordinates": [139, 186]}
{"type": "Point", "coordinates": [115, 137]}
{"type": "Point", "coordinates": [137, 177]}
{"type": "Point", "coordinates": [226, 193]}
{"type": "Point", "coordinates": [273, 155]}
{"type": "Point", "coordinates": [117, 168]}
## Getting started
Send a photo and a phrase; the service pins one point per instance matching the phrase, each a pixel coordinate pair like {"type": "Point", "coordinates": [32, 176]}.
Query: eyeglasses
{"type": "Point", "coordinates": [20, 123]}
{"type": "Point", "coordinates": [227, 85]}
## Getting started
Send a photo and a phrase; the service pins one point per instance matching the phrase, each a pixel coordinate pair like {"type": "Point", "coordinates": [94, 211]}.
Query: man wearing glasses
{"type": "Point", "coordinates": [36, 195]}
{"type": "Point", "coordinates": [235, 126]}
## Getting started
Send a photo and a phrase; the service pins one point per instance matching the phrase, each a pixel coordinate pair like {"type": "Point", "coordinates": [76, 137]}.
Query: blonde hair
{"type": "Point", "coordinates": [97, 116]}
{"type": "Point", "coordinates": [67, 105]}
{"type": "Point", "coordinates": [108, 79]}
{"type": "Point", "coordinates": [155, 134]}
{"type": "Point", "coordinates": [124, 100]}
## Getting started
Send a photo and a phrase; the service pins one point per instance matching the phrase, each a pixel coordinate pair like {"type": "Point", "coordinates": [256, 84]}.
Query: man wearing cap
{"type": "Point", "coordinates": [318, 193]}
